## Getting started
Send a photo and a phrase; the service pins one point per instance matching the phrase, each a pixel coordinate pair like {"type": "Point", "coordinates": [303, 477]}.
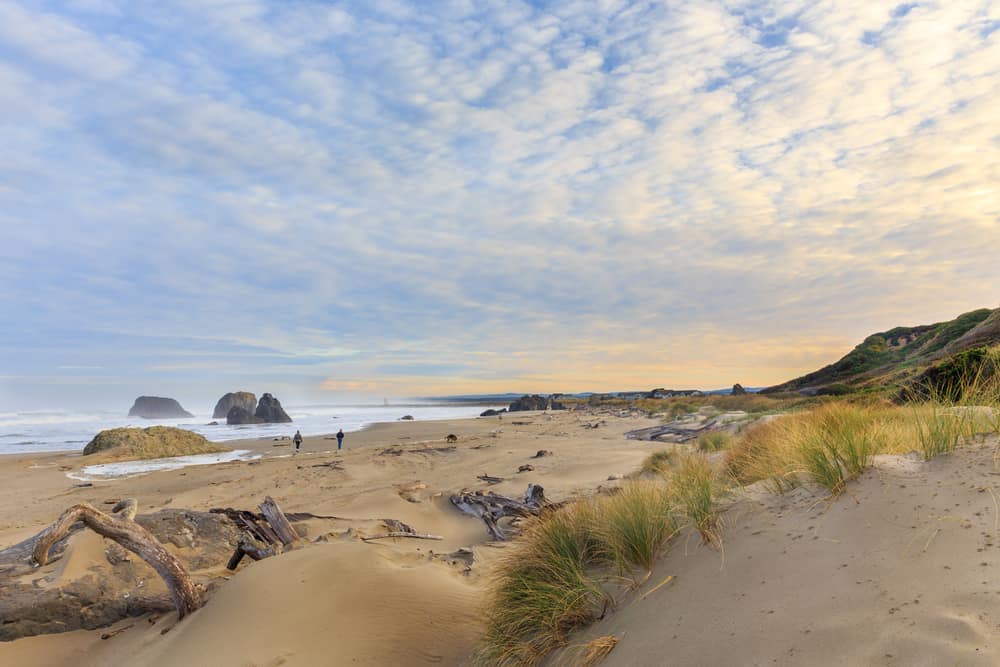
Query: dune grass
{"type": "Point", "coordinates": [555, 577]}
{"type": "Point", "coordinates": [713, 441]}
{"type": "Point", "coordinates": [659, 462]}
{"type": "Point", "coordinates": [692, 487]}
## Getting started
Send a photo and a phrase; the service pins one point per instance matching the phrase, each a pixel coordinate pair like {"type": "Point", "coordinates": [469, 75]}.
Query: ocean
{"type": "Point", "coordinates": [61, 430]}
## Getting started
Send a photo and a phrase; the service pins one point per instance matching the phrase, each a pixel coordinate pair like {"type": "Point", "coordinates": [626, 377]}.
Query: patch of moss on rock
{"type": "Point", "coordinates": [149, 443]}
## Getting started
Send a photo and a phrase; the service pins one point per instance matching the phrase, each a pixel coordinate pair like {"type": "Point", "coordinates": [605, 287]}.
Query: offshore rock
{"type": "Point", "coordinates": [269, 409]}
{"type": "Point", "coordinates": [156, 407]}
{"type": "Point", "coordinates": [242, 399]}
{"type": "Point", "coordinates": [238, 415]}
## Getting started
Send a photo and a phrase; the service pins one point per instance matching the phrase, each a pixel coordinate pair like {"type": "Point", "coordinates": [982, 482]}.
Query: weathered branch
{"type": "Point", "coordinates": [249, 547]}
{"type": "Point", "coordinates": [278, 521]}
{"type": "Point", "coordinates": [420, 536]}
{"type": "Point", "coordinates": [491, 507]}
{"type": "Point", "coordinates": [131, 536]}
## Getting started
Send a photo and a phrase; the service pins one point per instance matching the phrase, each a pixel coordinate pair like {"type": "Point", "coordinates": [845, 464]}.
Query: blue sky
{"type": "Point", "coordinates": [328, 199]}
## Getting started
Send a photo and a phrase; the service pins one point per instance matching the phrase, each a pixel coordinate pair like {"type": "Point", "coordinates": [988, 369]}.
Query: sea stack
{"type": "Point", "coordinates": [155, 407]}
{"type": "Point", "coordinates": [234, 399]}
{"type": "Point", "coordinates": [269, 409]}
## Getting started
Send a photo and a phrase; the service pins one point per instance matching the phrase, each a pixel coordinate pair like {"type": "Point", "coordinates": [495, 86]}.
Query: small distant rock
{"type": "Point", "coordinates": [269, 409]}
{"type": "Point", "coordinates": [541, 453]}
{"type": "Point", "coordinates": [738, 389]}
{"type": "Point", "coordinates": [452, 437]}
{"type": "Point", "coordinates": [156, 407]}
{"type": "Point", "coordinates": [526, 468]}
{"type": "Point", "coordinates": [212, 424]}
{"type": "Point", "coordinates": [406, 418]}
{"type": "Point", "coordinates": [492, 413]}
{"type": "Point", "coordinates": [242, 399]}
{"type": "Point", "coordinates": [616, 476]}
{"type": "Point", "coordinates": [535, 402]}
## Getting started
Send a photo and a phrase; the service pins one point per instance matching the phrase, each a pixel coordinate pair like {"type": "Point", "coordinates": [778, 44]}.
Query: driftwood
{"type": "Point", "coordinates": [421, 536]}
{"type": "Point", "coordinates": [126, 532]}
{"type": "Point", "coordinates": [489, 479]}
{"type": "Point", "coordinates": [540, 453]}
{"type": "Point", "coordinates": [248, 546]}
{"type": "Point", "coordinates": [278, 521]}
{"type": "Point", "coordinates": [491, 507]}
{"type": "Point", "coordinates": [265, 534]}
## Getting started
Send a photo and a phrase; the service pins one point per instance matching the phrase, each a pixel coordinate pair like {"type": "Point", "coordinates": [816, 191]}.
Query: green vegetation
{"type": "Point", "coordinates": [693, 488]}
{"type": "Point", "coordinates": [713, 441]}
{"type": "Point", "coordinates": [149, 443]}
{"type": "Point", "coordinates": [659, 462]}
{"type": "Point", "coordinates": [884, 358]}
{"type": "Point", "coordinates": [553, 578]}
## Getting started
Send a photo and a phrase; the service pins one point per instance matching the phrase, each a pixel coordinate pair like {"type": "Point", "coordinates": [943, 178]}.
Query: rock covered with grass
{"type": "Point", "coordinates": [149, 443]}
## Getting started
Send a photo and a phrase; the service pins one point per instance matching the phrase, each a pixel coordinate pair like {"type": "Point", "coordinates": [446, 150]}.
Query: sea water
{"type": "Point", "coordinates": [61, 430]}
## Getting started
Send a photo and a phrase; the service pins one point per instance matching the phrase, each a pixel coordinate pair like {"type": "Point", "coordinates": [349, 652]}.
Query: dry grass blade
{"type": "Point", "coordinates": [598, 649]}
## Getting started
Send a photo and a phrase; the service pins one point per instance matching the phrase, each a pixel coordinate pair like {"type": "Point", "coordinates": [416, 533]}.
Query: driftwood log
{"type": "Point", "coordinates": [129, 534]}
{"type": "Point", "coordinates": [491, 507]}
{"type": "Point", "coordinates": [265, 534]}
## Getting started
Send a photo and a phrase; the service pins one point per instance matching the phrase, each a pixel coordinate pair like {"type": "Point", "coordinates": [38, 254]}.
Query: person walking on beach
{"type": "Point", "coordinates": [297, 440]}
{"type": "Point", "coordinates": [340, 438]}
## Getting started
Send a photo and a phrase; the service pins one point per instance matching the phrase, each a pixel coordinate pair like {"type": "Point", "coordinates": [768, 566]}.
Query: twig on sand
{"type": "Point", "coordinates": [420, 536]}
{"type": "Point", "coordinates": [109, 635]}
{"type": "Point", "coordinates": [657, 587]}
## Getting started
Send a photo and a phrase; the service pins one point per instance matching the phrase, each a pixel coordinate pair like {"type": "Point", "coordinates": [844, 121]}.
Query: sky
{"type": "Point", "coordinates": [329, 200]}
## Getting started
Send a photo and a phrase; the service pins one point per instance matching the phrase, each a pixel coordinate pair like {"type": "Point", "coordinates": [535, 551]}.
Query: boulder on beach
{"type": "Point", "coordinates": [535, 402]}
{"type": "Point", "coordinates": [242, 399]}
{"type": "Point", "coordinates": [240, 415]}
{"type": "Point", "coordinates": [492, 413]}
{"type": "Point", "coordinates": [149, 443]}
{"type": "Point", "coordinates": [156, 407]}
{"type": "Point", "coordinates": [269, 409]}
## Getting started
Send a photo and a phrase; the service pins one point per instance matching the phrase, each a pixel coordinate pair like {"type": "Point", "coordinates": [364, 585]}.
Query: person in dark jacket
{"type": "Point", "coordinates": [297, 440]}
{"type": "Point", "coordinates": [340, 439]}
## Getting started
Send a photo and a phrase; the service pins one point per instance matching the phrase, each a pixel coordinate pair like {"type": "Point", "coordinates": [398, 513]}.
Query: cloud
{"type": "Point", "coordinates": [500, 190]}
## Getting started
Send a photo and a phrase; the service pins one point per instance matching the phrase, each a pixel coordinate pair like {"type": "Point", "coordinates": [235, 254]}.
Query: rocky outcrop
{"type": "Point", "coordinates": [535, 402]}
{"type": "Point", "coordinates": [118, 586]}
{"type": "Point", "coordinates": [240, 415]}
{"type": "Point", "coordinates": [149, 443]}
{"type": "Point", "coordinates": [242, 399]}
{"type": "Point", "coordinates": [269, 409]}
{"type": "Point", "coordinates": [156, 407]}
{"type": "Point", "coordinates": [738, 389]}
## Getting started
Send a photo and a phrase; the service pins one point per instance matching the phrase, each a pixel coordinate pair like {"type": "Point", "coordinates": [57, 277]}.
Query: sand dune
{"type": "Point", "coordinates": [901, 570]}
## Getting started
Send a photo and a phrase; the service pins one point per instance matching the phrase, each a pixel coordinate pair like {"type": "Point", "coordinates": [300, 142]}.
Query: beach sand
{"type": "Point", "coordinates": [900, 570]}
{"type": "Point", "coordinates": [340, 600]}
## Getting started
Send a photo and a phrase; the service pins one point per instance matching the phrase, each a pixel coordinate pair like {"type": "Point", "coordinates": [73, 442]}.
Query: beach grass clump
{"type": "Point", "coordinates": [830, 444]}
{"type": "Point", "coordinates": [938, 429]}
{"type": "Point", "coordinates": [632, 525]}
{"type": "Point", "coordinates": [764, 453]}
{"type": "Point", "coordinates": [542, 590]}
{"type": "Point", "coordinates": [551, 580]}
{"type": "Point", "coordinates": [692, 488]}
{"type": "Point", "coordinates": [659, 462]}
{"type": "Point", "coordinates": [714, 441]}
